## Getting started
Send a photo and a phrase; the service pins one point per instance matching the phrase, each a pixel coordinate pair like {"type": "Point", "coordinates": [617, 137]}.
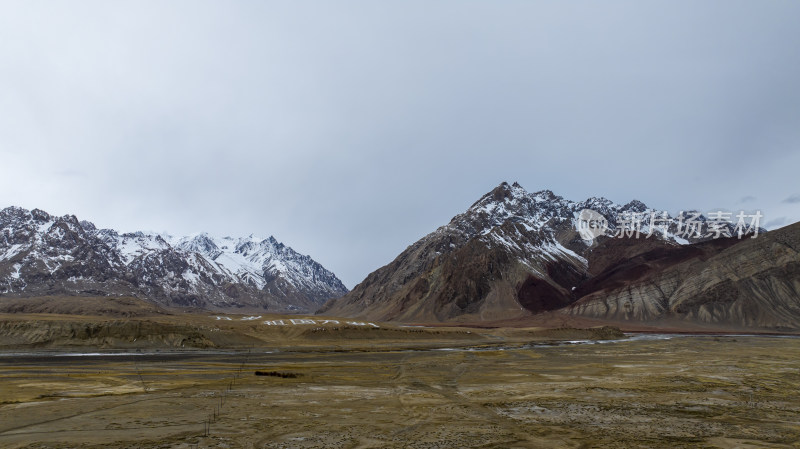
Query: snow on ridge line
{"type": "Point", "coordinates": [249, 259]}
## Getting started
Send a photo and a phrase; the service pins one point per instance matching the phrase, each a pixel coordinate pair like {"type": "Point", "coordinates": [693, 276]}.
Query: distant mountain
{"type": "Point", "coordinates": [44, 255]}
{"type": "Point", "coordinates": [513, 254]}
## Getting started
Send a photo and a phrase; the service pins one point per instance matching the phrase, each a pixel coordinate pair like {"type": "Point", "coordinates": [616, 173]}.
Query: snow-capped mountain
{"type": "Point", "coordinates": [43, 255]}
{"type": "Point", "coordinates": [260, 262]}
{"type": "Point", "coordinates": [510, 254]}
{"type": "Point", "coordinates": [549, 213]}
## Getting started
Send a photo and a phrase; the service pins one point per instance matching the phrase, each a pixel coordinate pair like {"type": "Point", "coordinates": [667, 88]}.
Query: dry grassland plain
{"type": "Point", "coordinates": [439, 389]}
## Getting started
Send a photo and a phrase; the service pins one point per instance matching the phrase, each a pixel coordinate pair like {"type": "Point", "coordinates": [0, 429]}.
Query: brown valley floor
{"type": "Point", "coordinates": [685, 392]}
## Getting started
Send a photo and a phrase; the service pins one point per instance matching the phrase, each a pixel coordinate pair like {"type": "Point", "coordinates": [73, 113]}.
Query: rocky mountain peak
{"type": "Point", "coordinates": [200, 243]}
{"type": "Point", "coordinates": [635, 206]}
{"type": "Point", "coordinates": [88, 226]}
{"type": "Point", "coordinates": [502, 193]}
{"type": "Point", "coordinates": [545, 196]}
{"type": "Point", "coordinates": [274, 242]}
{"type": "Point", "coordinates": [40, 215]}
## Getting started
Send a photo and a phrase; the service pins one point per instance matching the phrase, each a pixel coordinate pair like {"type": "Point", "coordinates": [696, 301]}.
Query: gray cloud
{"type": "Point", "coordinates": [350, 129]}
{"type": "Point", "coordinates": [776, 223]}
{"type": "Point", "coordinates": [794, 199]}
{"type": "Point", "coordinates": [747, 199]}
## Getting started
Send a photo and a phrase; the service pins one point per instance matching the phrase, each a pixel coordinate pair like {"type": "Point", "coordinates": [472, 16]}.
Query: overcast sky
{"type": "Point", "coordinates": [348, 130]}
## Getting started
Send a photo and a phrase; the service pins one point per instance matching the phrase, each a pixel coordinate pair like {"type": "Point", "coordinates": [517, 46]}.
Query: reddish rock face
{"type": "Point", "coordinates": [749, 283]}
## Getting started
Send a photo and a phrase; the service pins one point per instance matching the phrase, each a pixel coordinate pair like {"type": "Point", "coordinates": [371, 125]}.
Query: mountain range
{"type": "Point", "coordinates": [45, 255]}
{"type": "Point", "coordinates": [515, 254]}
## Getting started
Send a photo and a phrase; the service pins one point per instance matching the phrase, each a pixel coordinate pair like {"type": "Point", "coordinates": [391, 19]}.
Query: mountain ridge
{"type": "Point", "coordinates": [513, 254]}
{"type": "Point", "coordinates": [41, 254]}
